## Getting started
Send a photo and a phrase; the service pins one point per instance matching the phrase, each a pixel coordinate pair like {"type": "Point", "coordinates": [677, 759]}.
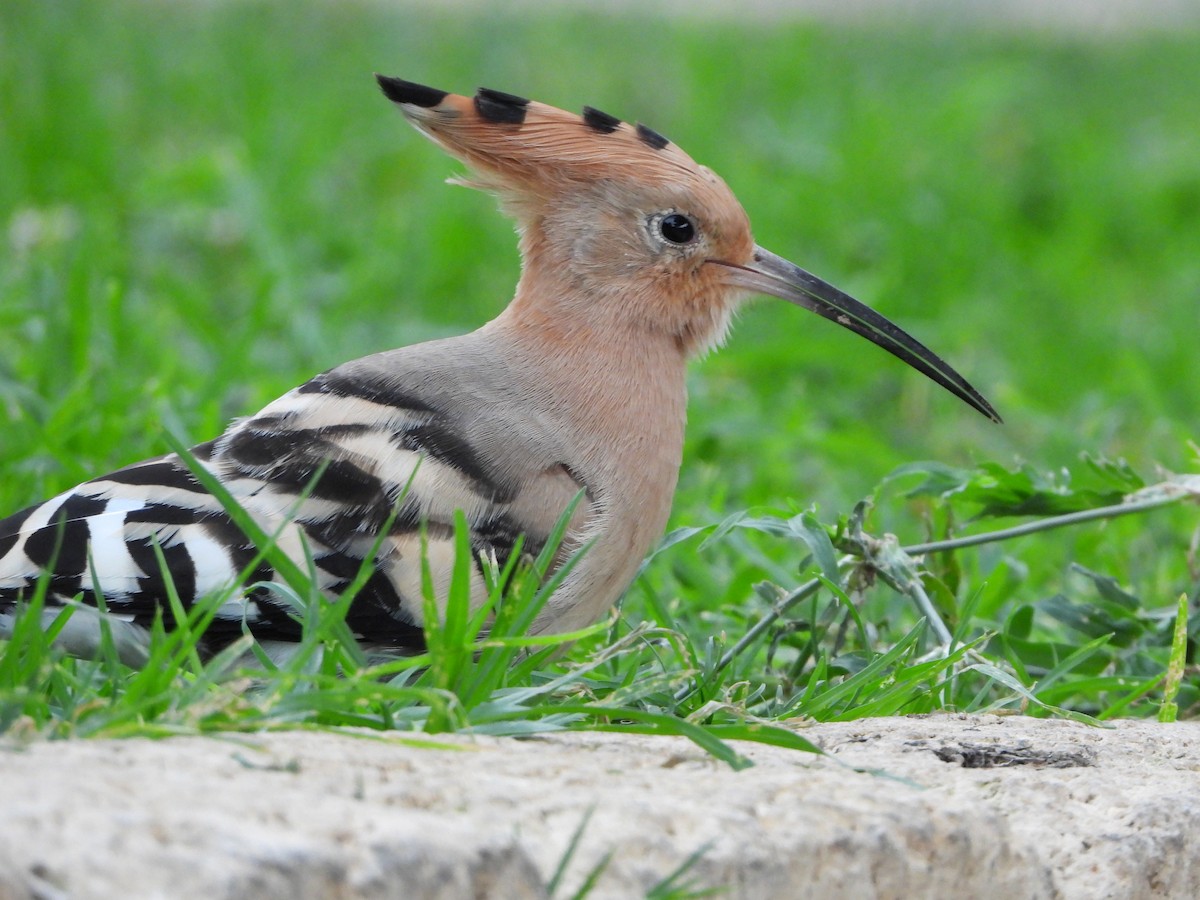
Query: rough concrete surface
{"type": "Point", "coordinates": [938, 806]}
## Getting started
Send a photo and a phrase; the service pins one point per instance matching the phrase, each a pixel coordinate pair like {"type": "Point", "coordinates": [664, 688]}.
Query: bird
{"type": "Point", "coordinates": [634, 259]}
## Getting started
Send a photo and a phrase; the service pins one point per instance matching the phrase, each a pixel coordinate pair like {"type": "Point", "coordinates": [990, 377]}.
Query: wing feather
{"type": "Point", "coordinates": [409, 437]}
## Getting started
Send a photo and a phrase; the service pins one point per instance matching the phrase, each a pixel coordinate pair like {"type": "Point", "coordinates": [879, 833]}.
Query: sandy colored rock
{"type": "Point", "coordinates": [939, 806]}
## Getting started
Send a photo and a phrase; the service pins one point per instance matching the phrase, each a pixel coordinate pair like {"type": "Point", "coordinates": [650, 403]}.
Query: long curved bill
{"type": "Point", "coordinates": [774, 275]}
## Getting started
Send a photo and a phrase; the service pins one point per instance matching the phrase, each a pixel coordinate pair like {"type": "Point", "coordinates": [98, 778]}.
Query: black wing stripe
{"type": "Point", "coordinates": [62, 544]}
{"type": "Point", "coordinates": [165, 474]}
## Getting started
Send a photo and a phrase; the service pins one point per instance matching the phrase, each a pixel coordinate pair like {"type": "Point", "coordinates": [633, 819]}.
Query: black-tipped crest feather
{"type": "Point", "coordinates": [600, 121]}
{"type": "Point", "coordinates": [651, 137]}
{"type": "Point", "coordinates": [497, 106]}
{"type": "Point", "coordinates": [400, 91]}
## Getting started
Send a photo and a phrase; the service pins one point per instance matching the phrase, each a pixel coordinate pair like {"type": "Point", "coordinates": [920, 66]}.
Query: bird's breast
{"type": "Point", "coordinates": [618, 411]}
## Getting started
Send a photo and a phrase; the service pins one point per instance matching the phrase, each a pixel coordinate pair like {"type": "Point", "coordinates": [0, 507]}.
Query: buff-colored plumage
{"type": "Point", "coordinates": [634, 260]}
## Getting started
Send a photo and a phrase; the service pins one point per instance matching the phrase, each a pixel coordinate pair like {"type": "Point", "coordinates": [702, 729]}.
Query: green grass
{"type": "Point", "coordinates": [204, 204]}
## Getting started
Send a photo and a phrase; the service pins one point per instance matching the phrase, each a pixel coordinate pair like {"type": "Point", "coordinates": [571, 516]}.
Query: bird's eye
{"type": "Point", "coordinates": [677, 228]}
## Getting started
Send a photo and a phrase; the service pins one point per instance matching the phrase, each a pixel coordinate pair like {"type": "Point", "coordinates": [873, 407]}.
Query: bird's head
{"type": "Point", "coordinates": [619, 225]}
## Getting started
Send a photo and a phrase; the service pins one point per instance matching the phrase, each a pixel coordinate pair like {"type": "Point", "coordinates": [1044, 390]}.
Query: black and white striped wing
{"type": "Point", "coordinates": [387, 455]}
{"type": "Point", "coordinates": [101, 536]}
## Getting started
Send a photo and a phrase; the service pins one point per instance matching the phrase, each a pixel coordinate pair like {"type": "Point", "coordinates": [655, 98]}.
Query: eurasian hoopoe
{"type": "Point", "coordinates": [634, 259]}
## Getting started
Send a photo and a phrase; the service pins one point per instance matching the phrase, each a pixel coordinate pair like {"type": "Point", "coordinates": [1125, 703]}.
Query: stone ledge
{"type": "Point", "coordinates": [978, 806]}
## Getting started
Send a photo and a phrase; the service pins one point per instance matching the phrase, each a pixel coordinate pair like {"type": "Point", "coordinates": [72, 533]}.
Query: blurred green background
{"type": "Point", "coordinates": [204, 204]}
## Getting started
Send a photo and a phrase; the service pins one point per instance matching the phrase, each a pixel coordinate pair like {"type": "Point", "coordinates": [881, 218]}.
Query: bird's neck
{"type": "Point", "coordinates": [620, 387]}
{"type": "Point", "coordinates": [606, 361]}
